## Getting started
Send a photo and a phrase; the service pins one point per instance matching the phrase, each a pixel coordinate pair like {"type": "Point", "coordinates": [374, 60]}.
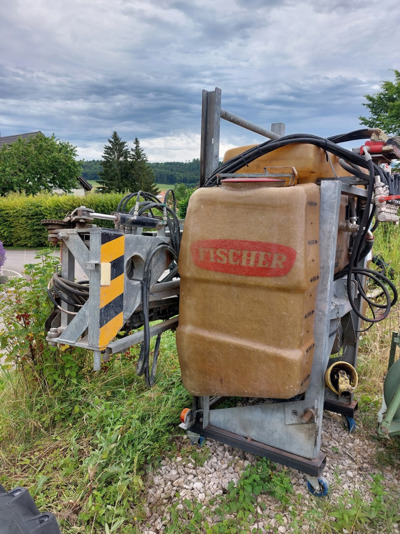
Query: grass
{"type": "Point", "coordinates": [88, 463]}
{"type": "Point", "coordinates": [85, 444]}
{"type": "Point", "coordinates": [165, 187]}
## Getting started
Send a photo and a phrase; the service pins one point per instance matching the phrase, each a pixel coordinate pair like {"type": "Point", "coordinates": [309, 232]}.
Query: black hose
{"type": "Point", "coordinates": [172, 222]}
{"type": "Point", "coordinates": [378, 278]}
{"type": "Point", "coordinates": [143, 366]}
{"type": "Point", "coordinates": [364, 133]}
{"type": "Point", "coordinates": [74, 294]}
{"type": "Point", "coordinates": [124, 202]}
{"type": "Point", "coordinates": [237, 162]}
{"type": "Point", "coordinates": [353, 169]}
{"type": "Point", "coordinates": [167, 194]}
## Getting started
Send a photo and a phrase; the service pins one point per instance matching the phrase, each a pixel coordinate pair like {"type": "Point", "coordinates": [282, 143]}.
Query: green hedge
{"type": "Point", "coordinates": [21, 215]}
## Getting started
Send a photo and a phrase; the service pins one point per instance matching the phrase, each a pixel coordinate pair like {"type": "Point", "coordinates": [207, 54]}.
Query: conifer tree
{"type": "Point", "coordinates": [125, 170]}
{"type": "Point", "coordinates": [115, 174]}
{"type": "Point", "coordinates": [141, 171]}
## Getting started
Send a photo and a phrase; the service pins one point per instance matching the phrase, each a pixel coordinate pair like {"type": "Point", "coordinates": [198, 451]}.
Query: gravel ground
{"type": "Point", "coordinates": [352, 459]}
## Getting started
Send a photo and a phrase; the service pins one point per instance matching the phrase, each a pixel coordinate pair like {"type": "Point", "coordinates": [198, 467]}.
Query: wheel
{"type": "Point", "coordinates": [184, 413]}
{"type": "Point", "coordinates": [195, 439]}
{"type": "Point", "coordinates": [323, 487]}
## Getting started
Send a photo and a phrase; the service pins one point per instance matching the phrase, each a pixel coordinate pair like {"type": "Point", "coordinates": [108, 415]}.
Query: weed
{"type": "Point", "coordinates": [355, 514]}
{"type": "Point", "coordinates": [239, 508]}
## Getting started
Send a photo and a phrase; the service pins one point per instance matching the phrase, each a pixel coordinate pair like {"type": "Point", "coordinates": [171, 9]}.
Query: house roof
{"type": "Point", "coordinates": [84, 183]}
{"type": "Point", "coordinates": [10, 139]}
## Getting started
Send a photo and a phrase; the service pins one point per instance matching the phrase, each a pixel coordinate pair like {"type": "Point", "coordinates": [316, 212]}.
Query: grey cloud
{"type": "Point", "coordinates": [343, 6]}
{"type": "Point", "coordinates": [265, 4]}
{"type": "Point", "coordinates": [139, 67]}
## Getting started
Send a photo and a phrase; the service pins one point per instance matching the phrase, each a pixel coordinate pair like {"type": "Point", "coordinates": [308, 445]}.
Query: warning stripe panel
{"type": "Point", "coordinates": [109, 293]}
{"type": "Point", "coordinates": [117, 267]}
{"type": "Point", "coordinates": [109, 235]}
{"type": "Point", "coordinates": [110, 310]}
{"type": "Point", "coordinates": [112, 295]}
{"type": "Point", "coordinates": [110, 330]}
{"type": "Point", "coordinates": [112, 249]}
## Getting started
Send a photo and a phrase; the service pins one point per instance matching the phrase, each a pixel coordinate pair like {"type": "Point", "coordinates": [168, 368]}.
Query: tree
{"type": "Point", "coordinates": [125, 170]}
{"type": "Point", "coordinates": [38, 164]}
{"type": "Point", "coordinates": [142, 173]}
{"type": "Point", "coordinates": [384, 107]}
{"type": "Point", "coordinates": [182, 195]}
{"type": "Point", "coordinates": [115, 174]}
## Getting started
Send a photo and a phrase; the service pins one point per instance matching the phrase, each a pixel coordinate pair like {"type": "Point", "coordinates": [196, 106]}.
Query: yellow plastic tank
{"type": "Point", "coordinates": [311, 164]}
{"type": "Point", "coordinates": [249, 266]}
{"type": "Point", "coordinates": [310, 161]}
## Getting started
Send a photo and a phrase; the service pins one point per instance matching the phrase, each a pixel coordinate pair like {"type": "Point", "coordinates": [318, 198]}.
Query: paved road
{"type": "Point", "coordinates": [16, 259]}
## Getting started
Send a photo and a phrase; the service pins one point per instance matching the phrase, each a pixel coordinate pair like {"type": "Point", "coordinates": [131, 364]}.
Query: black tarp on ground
{"type": "Point", "coordinates": [20, 515]}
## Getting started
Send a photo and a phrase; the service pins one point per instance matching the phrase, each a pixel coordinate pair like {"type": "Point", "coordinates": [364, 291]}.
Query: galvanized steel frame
{"type": "Point", "coordinates": [82, 329]}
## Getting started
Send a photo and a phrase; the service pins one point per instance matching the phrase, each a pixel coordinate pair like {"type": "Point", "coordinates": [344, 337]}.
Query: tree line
{"type": "Point", "coordinates": [171, 172]}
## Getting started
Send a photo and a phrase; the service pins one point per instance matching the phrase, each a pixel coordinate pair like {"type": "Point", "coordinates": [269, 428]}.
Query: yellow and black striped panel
{"type": "Point", "coordinates": [112, 295]}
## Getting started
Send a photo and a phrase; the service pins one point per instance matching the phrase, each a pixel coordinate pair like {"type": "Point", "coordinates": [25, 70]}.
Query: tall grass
{"type": "Point", "coordinates": [374, 345]}
{"type": "Point", "coordinates": [80, 441]}
{"type": "Point", "coordinates": [87, 460]}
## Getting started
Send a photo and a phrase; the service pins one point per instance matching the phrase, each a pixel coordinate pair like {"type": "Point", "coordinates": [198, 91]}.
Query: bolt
{"type": "Point", "coordinates": [53, 333]}
{"type": "Point", "coordinates": [308, 415]}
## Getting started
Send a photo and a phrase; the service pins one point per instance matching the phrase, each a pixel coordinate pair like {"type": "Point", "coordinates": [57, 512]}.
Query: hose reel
{"type": "Point", "coordinates": [389, 414]}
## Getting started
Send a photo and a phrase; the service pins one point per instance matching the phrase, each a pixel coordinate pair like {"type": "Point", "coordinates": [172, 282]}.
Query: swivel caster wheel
{"type": "Point", "coordinates": [317, 486]}
{"type": "Point", "coordinates": [196, 439]}
{"type": "Point", "coordinates": [349, 423]}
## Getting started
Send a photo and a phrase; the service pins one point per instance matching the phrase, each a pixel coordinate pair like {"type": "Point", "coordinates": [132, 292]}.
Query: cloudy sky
{"type": "Point", "coordinates": [83, 68]}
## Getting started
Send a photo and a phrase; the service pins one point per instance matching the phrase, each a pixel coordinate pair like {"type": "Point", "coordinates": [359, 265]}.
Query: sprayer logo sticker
{"type": "Point", "coordinates": [245, 258]}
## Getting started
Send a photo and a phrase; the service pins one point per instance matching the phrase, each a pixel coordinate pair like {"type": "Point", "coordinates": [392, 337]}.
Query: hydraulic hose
{"type": "Point", "coordinates": [241, 160]}
{"type": "Point", "coordinates": [143, 365]}
{"type": "Point", "coordinates": [75, 294]}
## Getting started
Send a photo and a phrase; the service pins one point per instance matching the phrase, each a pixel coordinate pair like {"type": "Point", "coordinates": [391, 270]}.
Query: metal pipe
{"type": "Point", "coordinates": [122, 344]}
{"type": "Point", "coordinates": [103, 216]}
{"type": "Point", "coordinates": [96, 360]}
{"type": "Point", "coordinates": [248, 125]}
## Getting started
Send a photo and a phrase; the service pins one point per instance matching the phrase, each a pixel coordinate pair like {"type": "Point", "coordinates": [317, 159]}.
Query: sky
{"type": "Point", "coordinates": [82, 69]}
